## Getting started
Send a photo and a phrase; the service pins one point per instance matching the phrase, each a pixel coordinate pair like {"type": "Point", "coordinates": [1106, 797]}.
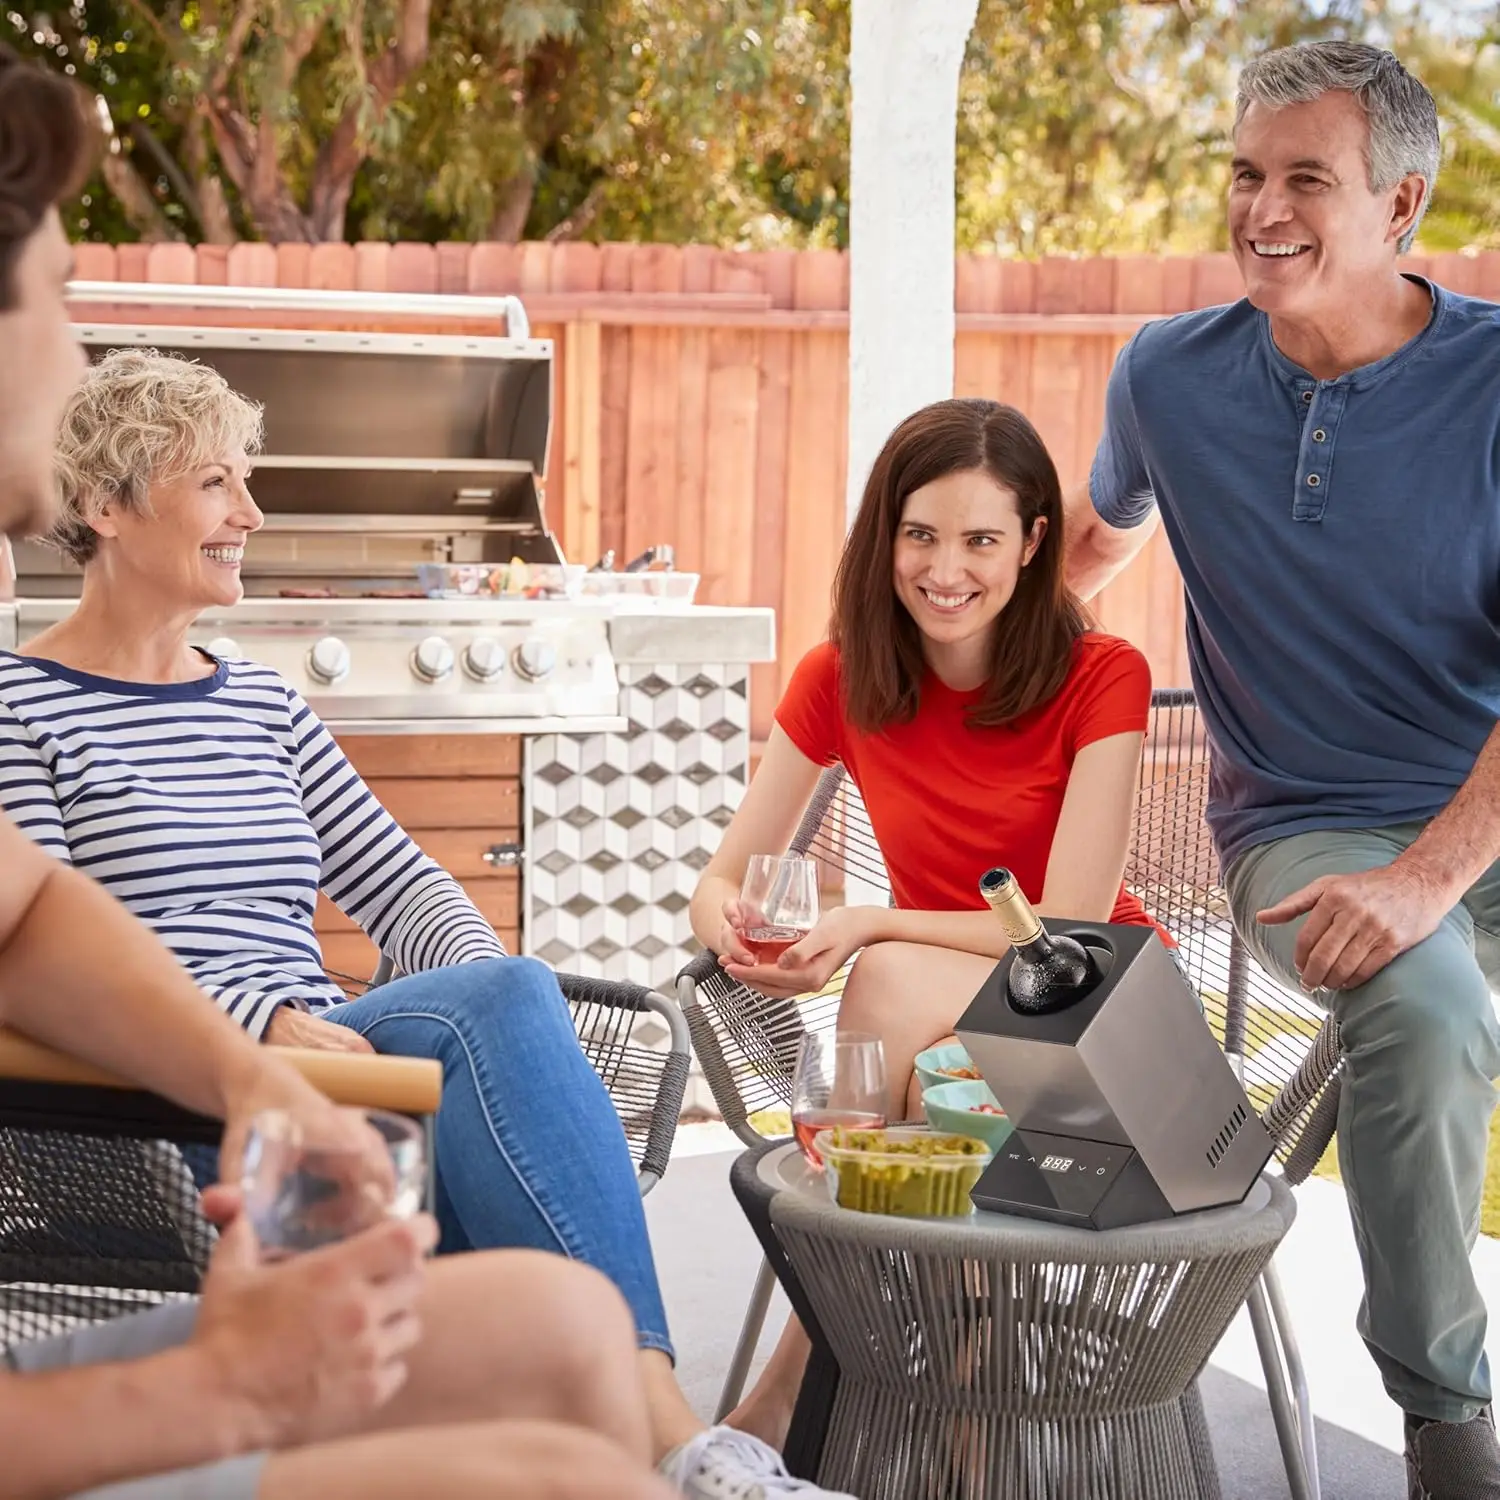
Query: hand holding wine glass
{"type": "Point", "coordinates": [304, 1187]}
{"type": "Point", "coordinates": [840, 1080]}
{"type": "Point", "coordinates": [778, 904]}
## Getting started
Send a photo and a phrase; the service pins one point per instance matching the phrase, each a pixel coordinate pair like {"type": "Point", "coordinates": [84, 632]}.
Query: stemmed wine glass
{"type": "Point", "coordinates": [840, 1080]}
{"type": "Point", "coordinates": [301, 1192]}
{"type": "Point", "coordinates": [778, 903]}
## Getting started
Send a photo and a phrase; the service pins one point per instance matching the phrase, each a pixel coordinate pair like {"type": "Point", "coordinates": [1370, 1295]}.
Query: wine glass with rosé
{"type": "Point", "coordinates": [840, 1080]}
{"type": "Point", "coordinates": [778, 903]}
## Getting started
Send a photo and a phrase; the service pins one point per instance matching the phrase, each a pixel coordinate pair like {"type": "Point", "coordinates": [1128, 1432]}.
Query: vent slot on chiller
{"type": "Point", "coordinates": [1225, 1138]}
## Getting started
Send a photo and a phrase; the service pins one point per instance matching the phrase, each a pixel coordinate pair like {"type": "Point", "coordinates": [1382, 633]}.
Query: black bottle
{"type": "Point", "coordinates": [1048, 972]}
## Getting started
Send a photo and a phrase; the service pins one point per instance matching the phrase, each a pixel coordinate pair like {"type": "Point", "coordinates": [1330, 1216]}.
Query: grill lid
{"type": "Point", "coordinates": [382, 425]}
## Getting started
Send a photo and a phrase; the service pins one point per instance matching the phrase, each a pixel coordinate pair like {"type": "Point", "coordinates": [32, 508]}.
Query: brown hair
{"type": "Point", "coordinates": [45, 153]}
{"type": "Point", "coordinates": [880, 647]}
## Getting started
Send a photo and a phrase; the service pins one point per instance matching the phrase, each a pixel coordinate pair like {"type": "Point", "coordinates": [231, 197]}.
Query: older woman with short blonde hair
{"type": "Point", "coordinates": [140, 421]}
{"type": "Point", "coordinates": [208, 797]}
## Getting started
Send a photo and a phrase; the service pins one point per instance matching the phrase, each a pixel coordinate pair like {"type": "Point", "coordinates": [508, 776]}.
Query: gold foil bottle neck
{"type": "Point", "coordinates": [1002, 893]}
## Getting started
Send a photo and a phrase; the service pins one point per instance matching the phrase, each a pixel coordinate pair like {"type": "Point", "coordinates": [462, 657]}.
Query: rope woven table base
{"type": "Point", "coordinates": [999, 1358]}
{"type": "Point", "coordinates": [1160, 1451]}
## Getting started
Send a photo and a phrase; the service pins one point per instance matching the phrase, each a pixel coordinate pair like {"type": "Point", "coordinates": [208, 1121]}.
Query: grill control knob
{"type": "Point", "coordinates": [484, 658]}
{"type": "Point", "coordinates": [535, 659]}
{"type": "Point", "coordinates": [433, 659]}
{"type": "Point", "coordinates": [328, 661]}
{"type": "Point", "coordinates": [223, 646]}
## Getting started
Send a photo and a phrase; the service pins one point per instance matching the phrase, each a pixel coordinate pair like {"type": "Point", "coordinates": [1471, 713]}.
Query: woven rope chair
{"type": "Point", "coordinates": [99, 1214]}
{"type": "Point", "coordinates": [1285, 1049]}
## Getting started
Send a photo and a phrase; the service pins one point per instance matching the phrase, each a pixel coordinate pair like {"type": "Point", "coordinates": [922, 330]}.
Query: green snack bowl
{"type": "Point", "coordinates": [914, 1173]}
{"type": "Point", "coordinates": [951, 1107]}
{"type": "Point", "coordinates": [928, 1064]}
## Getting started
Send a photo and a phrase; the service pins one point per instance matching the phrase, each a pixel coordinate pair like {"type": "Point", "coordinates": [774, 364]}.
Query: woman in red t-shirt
{"type": "Point", "coordinates": [983, 722]}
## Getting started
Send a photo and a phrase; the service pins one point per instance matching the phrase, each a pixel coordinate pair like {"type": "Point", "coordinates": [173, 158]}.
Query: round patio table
{"type": "Point", "coordinates": [1002, 1358]}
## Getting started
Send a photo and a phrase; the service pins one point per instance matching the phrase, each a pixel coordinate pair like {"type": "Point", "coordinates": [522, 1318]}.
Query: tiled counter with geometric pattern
{"type": "Point", "coordinates": [618, 826]}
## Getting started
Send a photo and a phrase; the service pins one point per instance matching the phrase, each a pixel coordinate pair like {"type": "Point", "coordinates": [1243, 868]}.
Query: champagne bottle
{"type": "Point", "coordinates": [1049, 971]}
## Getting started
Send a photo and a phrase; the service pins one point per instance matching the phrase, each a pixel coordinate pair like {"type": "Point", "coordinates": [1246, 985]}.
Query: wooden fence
{"type": "Point", "coordinates": [701, 394]}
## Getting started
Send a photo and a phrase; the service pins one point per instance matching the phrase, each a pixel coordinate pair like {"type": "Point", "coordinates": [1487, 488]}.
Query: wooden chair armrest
{"type": "Point", "coordinates": [408, 1085]}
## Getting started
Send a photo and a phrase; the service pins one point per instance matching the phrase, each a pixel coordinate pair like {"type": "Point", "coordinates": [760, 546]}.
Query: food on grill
{"type": "Point", "coordinates": [516, 579]}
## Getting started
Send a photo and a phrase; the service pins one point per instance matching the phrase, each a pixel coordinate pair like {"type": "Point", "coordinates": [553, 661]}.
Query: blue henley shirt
{"type": "Point", "coordinates": [1339, 541]}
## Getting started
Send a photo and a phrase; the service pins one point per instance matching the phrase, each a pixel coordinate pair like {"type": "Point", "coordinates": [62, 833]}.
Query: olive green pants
{"type": "Point", "coordinates": [1421, 1048]}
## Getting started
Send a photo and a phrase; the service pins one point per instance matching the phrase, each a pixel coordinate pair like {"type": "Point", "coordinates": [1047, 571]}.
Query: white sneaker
{"type": "Point", "coordinates": [726, 1464]}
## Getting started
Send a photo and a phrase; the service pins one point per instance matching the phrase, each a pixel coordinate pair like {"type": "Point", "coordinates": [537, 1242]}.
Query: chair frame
{"type": "Point", "coordinates": [1301, 1118]}
{"type": "Point", "coordinates": [583, 994]}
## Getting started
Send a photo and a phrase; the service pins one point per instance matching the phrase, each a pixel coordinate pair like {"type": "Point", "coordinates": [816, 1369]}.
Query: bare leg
{"type": "Point", "coordinates": [517, 1334]}
{"type": "Point", "coordinates": [910, 996]}
{"type": "Point", "coordinates": [766, 1410]}
{"type": "Point", "coordinates": [672, 1419]}
{"type": "Point", "coordinates": [524, 1460]}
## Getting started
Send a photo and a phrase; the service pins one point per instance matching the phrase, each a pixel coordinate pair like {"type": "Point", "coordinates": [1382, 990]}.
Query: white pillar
{"type": "Point", "coordinates": [904, 63]}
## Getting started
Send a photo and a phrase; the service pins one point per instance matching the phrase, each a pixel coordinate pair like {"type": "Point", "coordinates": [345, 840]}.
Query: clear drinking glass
{"type": "Point", "coordinates": [840, 1080]}
{"type": "Point", "coordinates": [779, 899]}
{"type": "Point", "coordinates": [303, 1192]}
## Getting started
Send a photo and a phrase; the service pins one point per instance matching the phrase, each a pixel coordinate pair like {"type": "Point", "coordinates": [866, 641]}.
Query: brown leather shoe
{"type": "Point", "coordinates": [1453, 1460]}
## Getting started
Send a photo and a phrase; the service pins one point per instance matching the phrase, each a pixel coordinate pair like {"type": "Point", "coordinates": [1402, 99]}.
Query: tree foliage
{"type": "Point", "coordinates": [1092, 127]}
{"type": "Point", "coordinates": [628, 119]}
{"type": "Point", "coordinates": [1464, 75]}
{"type": "Point", "coordinates": [1084, 125]}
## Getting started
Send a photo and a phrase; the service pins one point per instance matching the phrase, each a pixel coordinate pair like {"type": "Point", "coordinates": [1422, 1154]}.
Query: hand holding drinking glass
{"type": "Point", "coordinates": [840, 1080]}
{"type": "Point", "coordinates": [303, 1189]}
{"type": "Point", "coordinates": [778, 903]}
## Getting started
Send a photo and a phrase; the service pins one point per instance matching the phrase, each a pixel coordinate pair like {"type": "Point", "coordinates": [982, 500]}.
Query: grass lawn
{"type": "Point", "coordinates": [772, 1122]}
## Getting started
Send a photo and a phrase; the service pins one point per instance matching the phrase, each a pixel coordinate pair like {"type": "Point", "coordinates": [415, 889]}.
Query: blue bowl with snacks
{"type": "Point", "coordinates": [945, 1064]}
{"type": "Point", "coordinates": [967, 1107]}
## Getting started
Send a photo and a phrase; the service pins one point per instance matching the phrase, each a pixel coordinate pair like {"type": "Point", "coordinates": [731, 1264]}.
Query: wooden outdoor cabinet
{"type": "Point", "coordinates": [459, 797]}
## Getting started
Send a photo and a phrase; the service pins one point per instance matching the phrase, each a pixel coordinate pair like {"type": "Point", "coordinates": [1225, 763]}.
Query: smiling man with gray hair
{"type": "Point", "coordinates": [1325, 457]}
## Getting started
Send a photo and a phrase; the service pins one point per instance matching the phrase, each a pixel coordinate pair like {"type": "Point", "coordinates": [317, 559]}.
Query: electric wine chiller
{"type": "Point", "coordinates": [1125, 1108]}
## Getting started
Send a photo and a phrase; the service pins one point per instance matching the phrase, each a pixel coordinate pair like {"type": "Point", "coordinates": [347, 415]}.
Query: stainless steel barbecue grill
{"type": "Point", "coordinates": [383, 452]}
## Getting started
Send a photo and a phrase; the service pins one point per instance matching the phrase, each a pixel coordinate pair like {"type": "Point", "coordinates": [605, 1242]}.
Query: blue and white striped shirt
{"type": "Point", "coordinates": [215, 810]}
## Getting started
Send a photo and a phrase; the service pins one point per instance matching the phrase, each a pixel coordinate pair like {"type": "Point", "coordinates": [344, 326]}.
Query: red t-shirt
{"type": "Point", "coordinates": [947, 801]}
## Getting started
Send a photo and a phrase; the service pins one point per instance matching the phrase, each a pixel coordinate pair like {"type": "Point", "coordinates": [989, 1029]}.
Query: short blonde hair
{"type": "Point", "coordinates": [141, 418]}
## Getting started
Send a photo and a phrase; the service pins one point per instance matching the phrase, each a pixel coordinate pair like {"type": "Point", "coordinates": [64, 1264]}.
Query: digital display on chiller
{"type": "Point", "coordinates": [1057, 1164]}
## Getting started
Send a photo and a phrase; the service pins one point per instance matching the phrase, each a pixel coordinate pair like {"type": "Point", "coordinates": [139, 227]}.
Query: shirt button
{"type": "Point", "coordinates": [1307, 395]}
{"type": "Point", "coordinates": [1313, 481]}
{"type": "Point", "coordinates": [1320, 436]}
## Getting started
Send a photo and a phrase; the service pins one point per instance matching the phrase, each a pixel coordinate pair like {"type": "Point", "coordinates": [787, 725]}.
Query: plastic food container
{"type": "Point", "coordinates": [681, 588]}
{"type": "Point", "coordinates": [512, 580]}
{"type": "Point", "coordinates": [901, 1170]}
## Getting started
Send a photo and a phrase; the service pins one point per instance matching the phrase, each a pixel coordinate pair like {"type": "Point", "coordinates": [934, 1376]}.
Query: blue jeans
{"type": "Point", "coordinates": [530, 1152]}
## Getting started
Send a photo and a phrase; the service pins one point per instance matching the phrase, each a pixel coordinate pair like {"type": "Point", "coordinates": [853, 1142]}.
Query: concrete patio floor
{"type": "Point", "coordinates": [708, 1259]}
